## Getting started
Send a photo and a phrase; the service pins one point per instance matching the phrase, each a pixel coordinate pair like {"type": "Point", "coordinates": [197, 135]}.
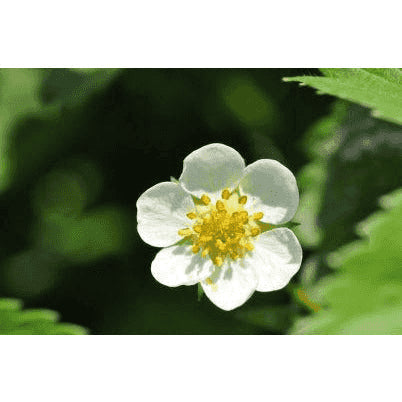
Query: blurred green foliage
{"type": "Point", "coordinates": [15, 321]}
{"type": "Point", "coordinates": [78, 147]}
{"type": "Point", "coordinates": [249, 103]}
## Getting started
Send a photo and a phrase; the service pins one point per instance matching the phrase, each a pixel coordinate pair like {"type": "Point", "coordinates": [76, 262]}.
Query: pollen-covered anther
{"type": "Point", "coordinates": [195, 248]}
{"type": "Point", "coordinates": [235, 215]}
{"type": "Point", "coordinates": [243, 216]}
{"type": "Point", "coordinates": [218, 261]}
{"type": "Point", "coordinates": [205, 238]}
{"type": "Point", "coordinates": [255, 231]}
{"type": "Point", "coordinates": [185, 232]}
{"type": "Point", "coordinates": [225, 194]}
{"type": "Point", "coordinates": [191, 215]}
{"type": "Point", "coordinates": [249, 246]}
{"type": "Point", "coordinates": [220, 245]}
{"type": "Point", "coordinates": [243, 200]}
{"type": "Point", "coordinates": [205, 252]}
{"type": "Point", "coordinates": [205, 199]}
{"type": "Point", "coordinates": [234, 256]}
{"type": "Point", "coordinates": [220, 206]}
{"type": "Point", "coordinates": [197, 228]}
{"type": "Point", "coordinates": [258, 215]}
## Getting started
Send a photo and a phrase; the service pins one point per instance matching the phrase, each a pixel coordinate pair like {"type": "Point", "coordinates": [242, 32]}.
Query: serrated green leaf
{"type": "Point", "coordinates": [364, 295]}
{"type": "Point", "coordinates": [379, 89]}
{"type": "Point", "coordinates": [16, 321]}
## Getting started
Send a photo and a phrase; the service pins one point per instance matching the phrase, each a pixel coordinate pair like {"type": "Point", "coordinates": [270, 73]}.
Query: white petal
{"type": "Point", "coordinates": [272, 189]}
{"type": "Point", "coordinates": [161, 213]}
{"type": "Point", "coordinates": [177, 265]}
{"type": "Point", "coordinates": [210, 169]}
{"type": "Point", "coordinates": [276, 258]}
{"type": "Point", "coordinates": [232, 285]}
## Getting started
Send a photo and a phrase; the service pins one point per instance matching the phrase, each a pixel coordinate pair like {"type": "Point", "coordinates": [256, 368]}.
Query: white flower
{"type": "Point", "coordinates": [218, 226]}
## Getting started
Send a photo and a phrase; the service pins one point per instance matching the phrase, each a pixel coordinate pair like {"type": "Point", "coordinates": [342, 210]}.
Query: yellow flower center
{"type": "Point", "coordinates": [224, 229]}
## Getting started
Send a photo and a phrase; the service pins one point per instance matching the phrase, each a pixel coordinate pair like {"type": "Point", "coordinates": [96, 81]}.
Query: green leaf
{"type": "Point", "coordinates": [16, 321]}
{"type": "Point", "coordinates": [364, 295]}
{"type": "Point", "coordinates": [377, 88]}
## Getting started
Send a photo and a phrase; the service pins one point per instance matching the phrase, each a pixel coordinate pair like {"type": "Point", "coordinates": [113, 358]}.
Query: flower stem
{"type": "Point", "coordinates": [200, 291]}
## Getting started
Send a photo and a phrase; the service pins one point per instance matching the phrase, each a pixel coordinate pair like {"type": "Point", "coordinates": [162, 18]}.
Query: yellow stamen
{"type": "Point", "coordinates": [220, 206]}
{"type": "Point", "coordinates": [243, 199]}
{"type": "Point", "coordinates": [234, 256]}
{"type": "Point", "coordinates": [197, 228]}
{"type": "Point", "coordinates": [205, 252]}
{"type": "Point", "coordinates": [243, 215]}
{"type": "Point", "coordinates": [205, 238]}
{"type": "Point", "coordinates": [225, 194]}
{"type": "Point", "coordinates": [220, 244]}
{"type": "Point", "coordinates": [185, 232]}
{"type": "Point", "coordinates": [223, 230]}
{"type": "Point", "coordinates": [205, 199]}
{"type": "Point", "coordinates": [257, 216]}
{"type": "Point", "coordinates": [209, 281]}
{"type": "Point", "coordinates": [255, 232]}
{"type": "Point", "coordinates": [249, 246]}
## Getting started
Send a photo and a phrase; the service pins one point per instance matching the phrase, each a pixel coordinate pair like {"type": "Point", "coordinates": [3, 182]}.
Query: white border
{"type": "Point", "coordinates": [199, 368]}
{"type": "Point", "coordinates": [209, 33]}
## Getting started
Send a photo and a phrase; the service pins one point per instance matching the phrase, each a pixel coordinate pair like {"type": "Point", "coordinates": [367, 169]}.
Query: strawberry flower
{"type": "Point", "coordinates": [218, 226]}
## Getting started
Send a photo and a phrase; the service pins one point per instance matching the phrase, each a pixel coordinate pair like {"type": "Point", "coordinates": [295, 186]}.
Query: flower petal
{"type": "Point", "coordinates": [210, 169]}
{"type": "Point", "coordinates": [231, 285]}
{"type": "Point", "coordinates": [177, 265]}
{"type": "Point", "coordinates": [276, 258]}
{"type": "Point", "coordinates": [161, 213]}
{"type": "Point", "coordinates": [272, 189]}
